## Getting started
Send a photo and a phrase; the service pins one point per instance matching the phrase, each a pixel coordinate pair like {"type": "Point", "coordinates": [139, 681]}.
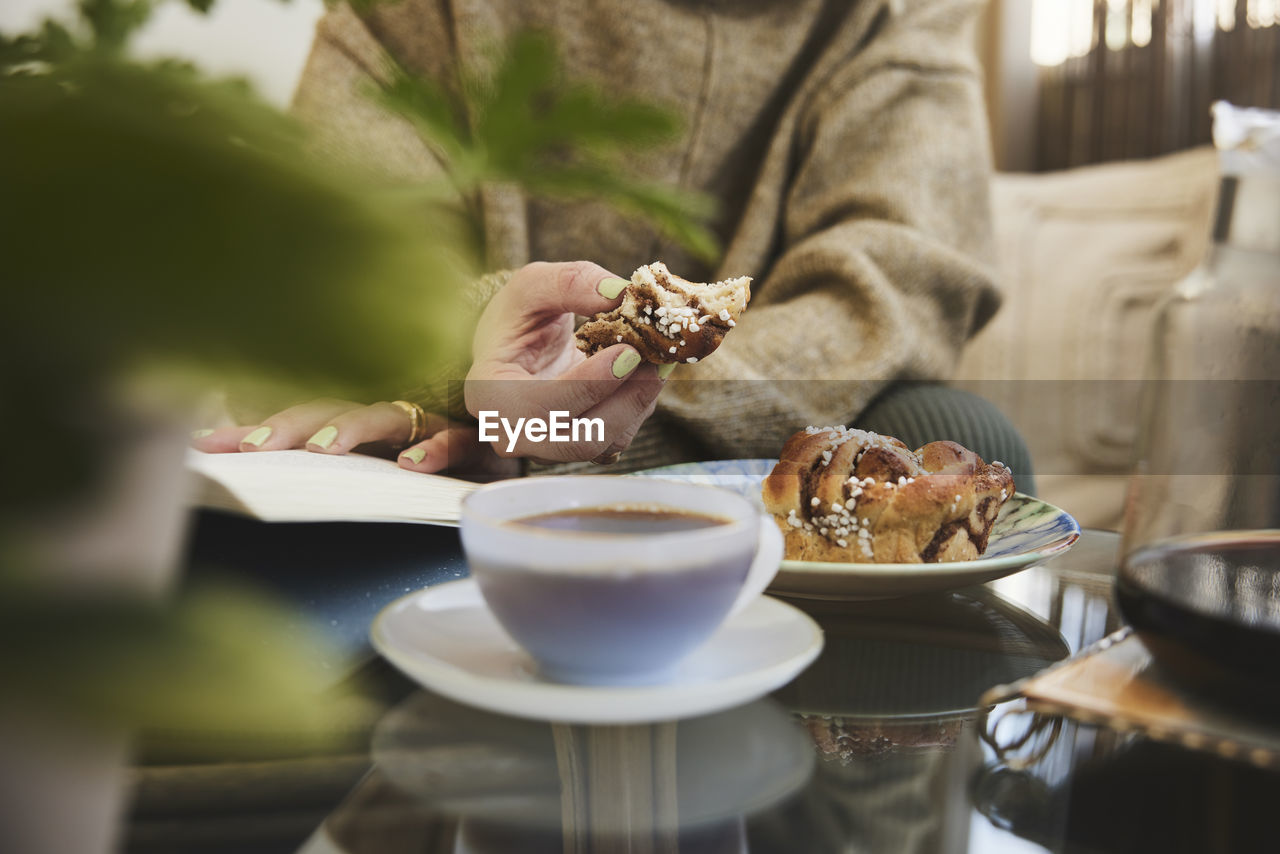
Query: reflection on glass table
{"type": "Point", "coordinates": [498, 783]}
{"type": "Point", "coordinates": [890, 705]}
{"type": "Point", "coordinates": [1073, 787]}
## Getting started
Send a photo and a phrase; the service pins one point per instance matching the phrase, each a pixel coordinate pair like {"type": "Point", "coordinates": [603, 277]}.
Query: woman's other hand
{"type": "Point", "coordinates": [339, 426]}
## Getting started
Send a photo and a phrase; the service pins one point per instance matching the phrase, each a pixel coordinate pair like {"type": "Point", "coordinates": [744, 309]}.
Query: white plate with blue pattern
{"type": "Point", "coordinates": [1026, 532]}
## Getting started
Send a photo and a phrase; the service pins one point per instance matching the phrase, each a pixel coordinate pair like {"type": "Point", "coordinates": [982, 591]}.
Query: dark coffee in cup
{"type": "Point", "coordinates": [623, 520]}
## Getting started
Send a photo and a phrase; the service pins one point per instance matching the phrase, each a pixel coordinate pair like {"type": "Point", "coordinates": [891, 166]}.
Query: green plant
{"type": "Point", "coordinates": [160, 224]}
{"type": "Point", "coordinates": [155, 220]}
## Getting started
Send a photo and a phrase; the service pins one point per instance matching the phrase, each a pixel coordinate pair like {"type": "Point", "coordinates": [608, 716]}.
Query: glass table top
{"type": "Point", "coordinates": [878, 746]}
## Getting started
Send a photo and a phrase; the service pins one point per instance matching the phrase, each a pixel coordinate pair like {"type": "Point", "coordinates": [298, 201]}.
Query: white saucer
{"type": "Point", "coordinates": [445, 638]}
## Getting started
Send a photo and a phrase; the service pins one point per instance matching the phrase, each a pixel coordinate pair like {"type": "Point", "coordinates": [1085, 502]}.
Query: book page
{"type": "Point", "coordinates": [301, 486]}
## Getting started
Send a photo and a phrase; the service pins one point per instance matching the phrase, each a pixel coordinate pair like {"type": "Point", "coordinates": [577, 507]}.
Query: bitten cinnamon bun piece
{"type": "Point", "coordinates": [841, 494]}
{"type": "Point", "coordinates": [666, 318]}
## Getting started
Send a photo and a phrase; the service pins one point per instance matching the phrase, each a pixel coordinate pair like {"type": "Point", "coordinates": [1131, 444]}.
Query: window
{"type": "Point", "coordinates": [1135, 78]}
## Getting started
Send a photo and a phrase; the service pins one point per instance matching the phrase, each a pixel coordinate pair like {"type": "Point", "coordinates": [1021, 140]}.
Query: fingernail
{"type": "Point", "coordinates": [664, 370]}
{"type": "Point", "coordinates": [324, 436]}
{"type": "Point", "coordinates": [415, 455]}
{"type": "Point", "coordinates": [626, 363]}
{"type": "Point", "coordinates": [611, 287]}
{"type": "Point", "coordinates": [200, 434]}
{"type": "Point", "coordinates": [257, 437]}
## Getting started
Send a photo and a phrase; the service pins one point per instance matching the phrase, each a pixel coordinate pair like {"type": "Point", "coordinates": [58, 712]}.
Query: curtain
{"type": "Point", "coordinates": [1137, 77]}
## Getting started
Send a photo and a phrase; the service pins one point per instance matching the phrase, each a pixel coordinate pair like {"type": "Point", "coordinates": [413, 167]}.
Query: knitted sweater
{"type": "Point", "coordinates": [845, 139]}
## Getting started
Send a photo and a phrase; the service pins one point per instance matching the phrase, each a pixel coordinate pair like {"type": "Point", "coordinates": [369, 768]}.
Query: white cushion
{"type": "Point", "coordinates": [1085, 255]}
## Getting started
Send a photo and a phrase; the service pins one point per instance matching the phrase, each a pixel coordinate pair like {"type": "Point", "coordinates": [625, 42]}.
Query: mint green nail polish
{"type": "Point", "coordinates": [257, 437]}
{"type": "Point", "coordinates": [324, 436]}
{"type": "Point", "coordinates": [626, 363]}
{"type": "Point", "coordinates": [200, 434]}
{"type": "Point", "coordinates": [611, 287]}
{"type": "Point", "coordinates": [665, 370]}
{"type": "Point", "coordinates": [415, 455]}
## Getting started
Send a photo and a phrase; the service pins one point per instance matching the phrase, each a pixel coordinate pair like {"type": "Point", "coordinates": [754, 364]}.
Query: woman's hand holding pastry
{"type": "Point", "coordinates": [527, 365]}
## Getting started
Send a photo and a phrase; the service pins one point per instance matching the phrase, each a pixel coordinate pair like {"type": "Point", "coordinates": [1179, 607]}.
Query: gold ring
{"type": "Point", "coordinates": [417, 421]}
{"type": "Point", "coordinates": [607, 459]}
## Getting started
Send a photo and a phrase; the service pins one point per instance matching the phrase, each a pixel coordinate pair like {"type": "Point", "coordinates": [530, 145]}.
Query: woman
{"type": "Point", "coordinates": [847, 144]}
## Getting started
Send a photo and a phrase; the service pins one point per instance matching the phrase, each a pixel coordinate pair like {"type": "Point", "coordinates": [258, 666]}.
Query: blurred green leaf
{"type": "Point", "coordinates": [52, 44]}
{"type": "Point", "coordinates": [112, 22]}
{"type": "Point", "coordinates": [220, 665]}
{"type": "Point", "coordinates": [525, 125]}
{"type": "Point", "coordinates": [158, 223]}
{"type": "Point", "coordinates": [190, 220]}
{"type": "Point", "coordinates": [434, 111]}
{"type": "Point", "coordinates": [152, 219]}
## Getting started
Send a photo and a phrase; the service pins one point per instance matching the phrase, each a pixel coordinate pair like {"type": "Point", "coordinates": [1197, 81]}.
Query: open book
{"type": "Point", "coordinates": [301, 486]}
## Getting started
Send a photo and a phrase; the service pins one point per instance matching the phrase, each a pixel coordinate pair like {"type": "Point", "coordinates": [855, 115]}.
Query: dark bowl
{"type": "Point", "coordinates": [1208, 609]}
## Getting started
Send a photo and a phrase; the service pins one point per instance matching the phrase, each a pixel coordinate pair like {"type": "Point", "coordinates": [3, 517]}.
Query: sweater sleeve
{"type": "Point", "coordinates": [442, 388]}
{"type": "Point", "coordinates": [883, 249]}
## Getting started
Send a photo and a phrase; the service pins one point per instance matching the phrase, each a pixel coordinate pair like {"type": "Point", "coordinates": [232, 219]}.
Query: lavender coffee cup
{"type": "Point", "coordinates": [613, 580]}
